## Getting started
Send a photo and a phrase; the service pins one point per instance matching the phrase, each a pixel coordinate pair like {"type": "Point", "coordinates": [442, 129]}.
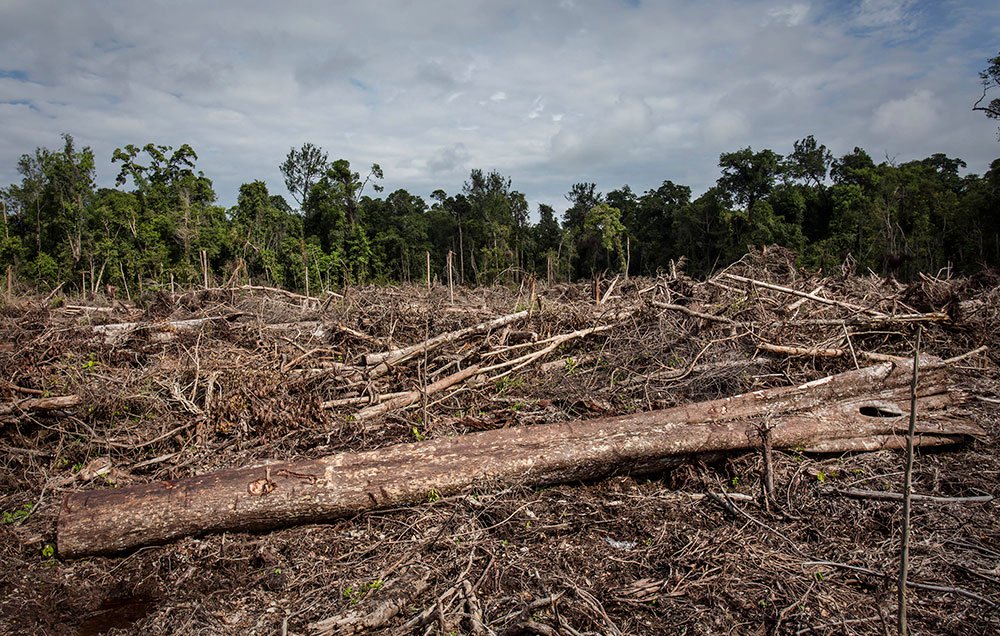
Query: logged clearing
{"type": "Point", "coordinates": [651, 456]}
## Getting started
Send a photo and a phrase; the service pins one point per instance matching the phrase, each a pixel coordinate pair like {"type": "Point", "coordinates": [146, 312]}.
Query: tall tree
{"type": "Point", "coordinates": [603, 226]}
{"type": "Point", "coordinates": [748, 176]}
{"type": "Point", "coordinates": [700, 232]}
{"type": "Point", "coordinates": [582, 198]}
{"type": "Point", "coordinates": [174, 199]}
{"type": "Point", "coordinates": [302, 168]}
{"type": "Point", "coordinates": [809, 161]}
{"type": "Point", "coordinates": [497, 211]}
{"type": "Point", "coordinates": [990, 77]}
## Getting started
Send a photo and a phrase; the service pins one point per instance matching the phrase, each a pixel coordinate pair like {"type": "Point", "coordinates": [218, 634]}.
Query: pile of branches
{"type": "Point", "coordinates": [97, 394]}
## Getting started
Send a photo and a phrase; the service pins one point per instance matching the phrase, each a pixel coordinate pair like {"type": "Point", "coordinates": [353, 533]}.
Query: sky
{"type": "Point", "coordinates": [549, 93]}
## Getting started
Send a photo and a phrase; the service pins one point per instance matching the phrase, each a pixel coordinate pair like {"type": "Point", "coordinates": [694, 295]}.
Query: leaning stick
{"type": "Point", "coordinates": [412, 397]}
{"type": "Point", "coordinates": [398, 355]}
{"type": "Point", "coordinates": [809, 295]}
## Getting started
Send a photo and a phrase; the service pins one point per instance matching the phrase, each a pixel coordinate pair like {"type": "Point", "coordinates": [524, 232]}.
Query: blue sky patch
{"type": "Point", "coordinates": [15, 74]}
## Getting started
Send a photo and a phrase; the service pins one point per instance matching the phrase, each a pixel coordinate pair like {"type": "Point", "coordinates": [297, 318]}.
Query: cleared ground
{"type": "Point", "coordinates": [247, 375]}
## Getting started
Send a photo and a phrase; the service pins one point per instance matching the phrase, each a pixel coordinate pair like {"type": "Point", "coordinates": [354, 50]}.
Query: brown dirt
{"type": "Point", "coordinates": [654, 554]}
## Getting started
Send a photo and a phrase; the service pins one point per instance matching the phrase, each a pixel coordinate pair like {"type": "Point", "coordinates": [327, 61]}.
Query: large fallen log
{"type": "Point", "coordinates": [862, 409]}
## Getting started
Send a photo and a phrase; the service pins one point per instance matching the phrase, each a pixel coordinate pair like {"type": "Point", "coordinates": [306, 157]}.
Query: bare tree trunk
{"type": "Point", "coordinates": [839, 412]}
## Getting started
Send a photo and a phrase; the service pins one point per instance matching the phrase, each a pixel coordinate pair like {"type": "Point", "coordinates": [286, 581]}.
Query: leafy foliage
{"type": "Point", "coordinates": [161, 225]}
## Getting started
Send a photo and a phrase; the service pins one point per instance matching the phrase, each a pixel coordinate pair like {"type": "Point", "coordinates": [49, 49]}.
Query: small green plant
{"type": "Point", "coordinates": [823, 475]}
{"type": "Point", "coordinates": [17, 515]}
{"type": "Point", "coordinates": [735, 481]}
{"type": "Point", "coordinates": [570, 365]}
{"type": "Point", "coordinates": [506, 383]}
{"type": "Point", "coordinates": [352, 595]}
{"type": "Point", "coordinates": [90, 363]}
{"type": "Point", "coordinates": [417, 434]}
{"type": "Point", "coordinates": [48, 551]}
{"type": "Point", "coordinates": [433, 495]}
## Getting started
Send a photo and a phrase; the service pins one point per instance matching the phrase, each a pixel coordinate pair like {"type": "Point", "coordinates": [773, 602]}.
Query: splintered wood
{"type": "Point", "coordinates": [864, 409]}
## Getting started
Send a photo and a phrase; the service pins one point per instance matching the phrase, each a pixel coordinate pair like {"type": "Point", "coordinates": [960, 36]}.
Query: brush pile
{"type": "Point", "coordinates": [97, 395]}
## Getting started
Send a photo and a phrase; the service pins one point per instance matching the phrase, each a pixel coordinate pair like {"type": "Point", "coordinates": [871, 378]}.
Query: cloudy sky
{"type": "Point", "coordinates": [548, 93]}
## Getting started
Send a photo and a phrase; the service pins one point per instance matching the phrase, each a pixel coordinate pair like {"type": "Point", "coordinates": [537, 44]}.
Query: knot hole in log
{"type": "Point", "coordinates": [881, 409]}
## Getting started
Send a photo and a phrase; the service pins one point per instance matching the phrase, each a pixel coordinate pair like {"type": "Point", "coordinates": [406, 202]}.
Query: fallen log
{"type": "Point", "coordinates": [412, 397]}
{"type": "Point", "coordinates": [38, 405]}
{"type": "Point", "coordinates": [691, 312]}
{"type": "Point", "coordinates": [398, 355]}
{"type": "Point", "coordinates": [161, 331]}
{"type": "Point", "coordinates": [807, 295]}
{"type": "Point", "coordinates": [865, 408]}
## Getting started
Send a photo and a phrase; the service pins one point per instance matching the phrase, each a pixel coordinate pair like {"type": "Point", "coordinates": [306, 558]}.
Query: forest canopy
{"type": "Point", "coordinates": [162, 224]}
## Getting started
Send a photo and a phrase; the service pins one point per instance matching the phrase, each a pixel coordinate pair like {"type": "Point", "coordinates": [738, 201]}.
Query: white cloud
{"type": "Point", "coordinates": [910, 116]}
{"type": "Point", "coordinates": [725, 126]}
{"type": "Point", "coordinates": [605, 135]}
{"type": "Point", "coordinates": [601, 91]}
{"type": "Point", "coordinates": [789, 15]}
{"type": "Point", "coordinates": [882, 13]}
{"type": "Point", "coordinates": [537, 108]}
{"type": "Point", "coordinates": [452, 159]}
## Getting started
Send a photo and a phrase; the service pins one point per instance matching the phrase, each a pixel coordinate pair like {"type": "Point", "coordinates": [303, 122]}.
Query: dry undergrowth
{"type": "Point", "coordinates": [270, 376]}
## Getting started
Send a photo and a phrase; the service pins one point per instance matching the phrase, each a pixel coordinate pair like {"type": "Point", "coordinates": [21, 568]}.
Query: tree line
{"type": "Point", "coordinates": [162, 224]}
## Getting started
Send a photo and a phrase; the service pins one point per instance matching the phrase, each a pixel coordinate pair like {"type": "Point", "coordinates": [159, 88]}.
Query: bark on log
{"type": "Point", "coordinates": [412, 397]}
{"type": "Point", "coordinates": [38, 405]}
{"type": "Point", "coordinates": [847, 411]}
{"type": "Point", "coordinates": [161, 331]}
{"type": "Point", "coordinates": [398, 355]}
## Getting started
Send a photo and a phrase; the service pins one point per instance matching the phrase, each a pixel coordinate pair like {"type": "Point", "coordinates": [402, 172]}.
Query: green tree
{"type": "Point", "coordinates": [582, 198]}
{"type": "Point", "coordinates": [700, 232]}
{"type": "Point", "coordinates": [302, 168]}
{"type": "Point", "coordinates": [809, 162]}
{"type": "Point", "coordinates": [175, 204]}
{"type": "Point", "coordinates": [50, 207]}
{"type": "Point", "coordinates": [603, 226]}
{"type": "Point", "coordinates": [653, 224]}
{"type": "Point", "coordinates": [990, 77]}
{"type": "Point", "coordinates": [267, 236]}
{"type": "Point", "coordinates": [748, 176]}
{"type": "Point", "coordinates": [497, 219]}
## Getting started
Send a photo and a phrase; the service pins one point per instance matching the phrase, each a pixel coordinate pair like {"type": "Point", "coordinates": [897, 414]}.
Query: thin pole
{"type": "Point", "coordinates": [904, 554]}
{"type": "Point", "coordinates": [428, 269]}
{"type": "Point", "coordinates": [204, 268]}
{"type": "Point", "coordinates": [451, 287]}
